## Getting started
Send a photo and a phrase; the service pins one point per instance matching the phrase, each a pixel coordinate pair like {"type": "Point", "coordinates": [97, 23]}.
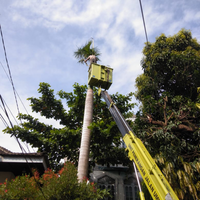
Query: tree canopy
{"type": "Point", "coordinates": [65, 142]}
{"type": "Point", "coordinates": [168, 121]}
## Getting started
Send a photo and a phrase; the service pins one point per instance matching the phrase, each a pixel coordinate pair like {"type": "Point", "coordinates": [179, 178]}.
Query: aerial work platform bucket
{"type": "Point", "coordinates": [100, 76]}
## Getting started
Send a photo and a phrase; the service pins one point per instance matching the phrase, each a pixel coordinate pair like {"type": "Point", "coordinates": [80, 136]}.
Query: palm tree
{"type": "Point", "coordinates": [81, 54]}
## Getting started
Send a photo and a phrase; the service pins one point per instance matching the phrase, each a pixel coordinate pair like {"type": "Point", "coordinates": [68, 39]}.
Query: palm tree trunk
{"type": "Point", "coordinates": [85, 138]}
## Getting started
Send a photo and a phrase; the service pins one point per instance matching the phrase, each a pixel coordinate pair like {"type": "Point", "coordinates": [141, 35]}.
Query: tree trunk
{"type": "Point", "coordinates": [85, 138]}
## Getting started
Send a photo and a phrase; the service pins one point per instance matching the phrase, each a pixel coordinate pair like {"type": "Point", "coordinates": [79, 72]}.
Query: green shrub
{"type": "Point", "coordinates": [63, 185]}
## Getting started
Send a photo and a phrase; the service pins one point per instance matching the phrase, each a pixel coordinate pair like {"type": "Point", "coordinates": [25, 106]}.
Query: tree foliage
{"type": "Point", "coordinates": [168, 121]}
{"type": "Point", "coordinates": [65, 142]}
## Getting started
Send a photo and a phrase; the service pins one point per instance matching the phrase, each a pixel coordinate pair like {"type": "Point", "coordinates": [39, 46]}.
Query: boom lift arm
{"type": "Point", "coordinates": [155, 181]}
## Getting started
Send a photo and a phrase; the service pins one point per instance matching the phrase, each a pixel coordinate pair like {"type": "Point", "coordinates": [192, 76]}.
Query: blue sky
{"type": "Point", "coordinates": [41, 36]}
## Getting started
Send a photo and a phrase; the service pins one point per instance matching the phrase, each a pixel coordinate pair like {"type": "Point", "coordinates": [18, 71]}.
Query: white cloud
{"type": "Point", "coordinates": [191, 16]}
{"type": "Point", "coordinates": [56, 14]}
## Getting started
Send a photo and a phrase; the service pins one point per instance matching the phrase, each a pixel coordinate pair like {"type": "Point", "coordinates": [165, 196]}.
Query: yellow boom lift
{"type": "Point", "coordinates": [159, 188]}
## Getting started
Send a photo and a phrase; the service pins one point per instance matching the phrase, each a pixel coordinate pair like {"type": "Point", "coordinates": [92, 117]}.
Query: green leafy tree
{"type": "Point", "coordinates": [65, 142]}
{"type": "Point", "coordinates": [168, 121]}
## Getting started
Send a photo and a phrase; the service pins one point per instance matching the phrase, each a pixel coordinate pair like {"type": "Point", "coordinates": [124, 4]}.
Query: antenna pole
{"type": "Point", "coordinates": [93, 43]}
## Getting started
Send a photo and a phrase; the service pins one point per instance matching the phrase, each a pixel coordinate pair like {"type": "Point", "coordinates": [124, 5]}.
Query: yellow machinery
{"type": "Point", "coordinates": [100, 76]}
{"type": "Point", "coordinates": [155, 181]}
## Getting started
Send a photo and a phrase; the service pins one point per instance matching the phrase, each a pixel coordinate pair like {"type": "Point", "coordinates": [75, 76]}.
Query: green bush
{"type": "Point", "coordinates": [63, 185]}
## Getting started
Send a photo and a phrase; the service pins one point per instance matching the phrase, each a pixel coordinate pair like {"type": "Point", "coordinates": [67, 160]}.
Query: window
{"type": "Point", "coordinates": [130, 189]}
{"type": "Point", "coordinates": [129, 192]}
{"type": "Point", "coordinates": [107, 183]}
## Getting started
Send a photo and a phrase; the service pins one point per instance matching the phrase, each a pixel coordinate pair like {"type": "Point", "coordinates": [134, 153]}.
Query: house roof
{"type": "Point", "coordinates": [22, 162]}
{"type": "Point", "coordinates": [4, 151]}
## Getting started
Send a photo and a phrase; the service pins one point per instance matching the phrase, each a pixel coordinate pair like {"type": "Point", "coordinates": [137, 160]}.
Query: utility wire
{"type": "Point", "coordinates": [20, 101]}
{"type": "Point", "coordinates": [9, 111]}
{"type": "Point", "coordinates": [6, 113]}
{"type": "Point", "coordinates": [4, 121]}
{"type": "Point", "coordinates": [10, 78]}
{"type": "Point", "coordinates": [143, 21]}
{"type": "Point", "coordinates": [15, 89]}
{"type": "Point", "coordinates": [12, 127]}
{"type": "Point", "coordinates": [15, 121]}
{"type": "Point", "coordinates": [9, 70]}
{"type": "Point", "coordinates": [22, 149]}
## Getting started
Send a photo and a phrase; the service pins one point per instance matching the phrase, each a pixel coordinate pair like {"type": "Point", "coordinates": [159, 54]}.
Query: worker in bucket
{"type": "Point", "coordinates": [92, 58]}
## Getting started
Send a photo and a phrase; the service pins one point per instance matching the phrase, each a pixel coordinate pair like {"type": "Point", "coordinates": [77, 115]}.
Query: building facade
{"type": "Point", "coordinates": [121, 183]}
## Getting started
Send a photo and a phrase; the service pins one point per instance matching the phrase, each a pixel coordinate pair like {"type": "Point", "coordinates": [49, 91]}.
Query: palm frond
{"type": "Point", "coordinates": [83, 52]}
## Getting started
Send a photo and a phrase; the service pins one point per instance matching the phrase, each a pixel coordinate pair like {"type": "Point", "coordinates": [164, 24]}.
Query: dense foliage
{"type": "Point", "coordinates": [168, 121]}
{"type": "Point", "coordinates": [65, 142]}
{"type": "Point", "coordinates": [49, 186]}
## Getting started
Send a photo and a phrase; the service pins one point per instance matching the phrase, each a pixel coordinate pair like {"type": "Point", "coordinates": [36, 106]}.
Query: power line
{"type": "Point", "coordinates": [143, 21]}
{"type": "Point", "coordinates": [15, 121]}
{"type": "Point", "coordinates": [10, 78]}
{"type": "Point", "coordinates": [9, 111]}
{"type": "Point", "coordinates": [6, 113]}
{"type": "Point", "coordinates": [9, 69]}
{"type": "Point", "coordinates": [22, 149]}
{"type": "Point", "coordinates": [19, 99]}
{"type": "Point", "coordinates": [4, 121]}
{"type": "Point", "coordinates": [14, 88]}
{"type": "Point", "coordinates": [14, 91]}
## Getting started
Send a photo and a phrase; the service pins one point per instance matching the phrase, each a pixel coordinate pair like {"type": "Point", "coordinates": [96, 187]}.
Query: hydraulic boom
{"type": "Point", "coordinates": [155, 181]}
